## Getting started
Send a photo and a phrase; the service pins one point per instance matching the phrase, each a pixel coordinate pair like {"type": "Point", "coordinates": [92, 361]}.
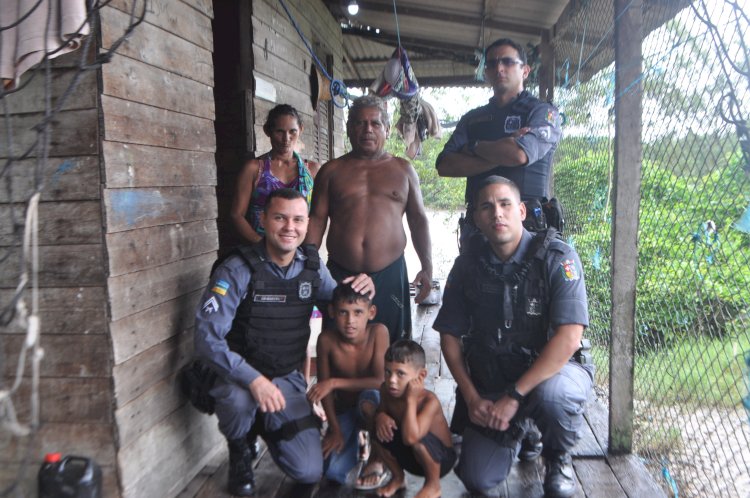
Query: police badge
{"type": "Point", "coordinates": [533, 307]}
{"type": "Point", "coordinates": [512, 123]}
{"type": "Point", "coordinates": [305, 290]}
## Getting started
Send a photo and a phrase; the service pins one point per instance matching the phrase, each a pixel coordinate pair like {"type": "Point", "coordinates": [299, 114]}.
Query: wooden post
{"type": "Point", "coordinates": [246, 73]}
{"type": "Point", "coordinates": [547, 85]}
{"type": "Point", "coordinates": [627, 177]}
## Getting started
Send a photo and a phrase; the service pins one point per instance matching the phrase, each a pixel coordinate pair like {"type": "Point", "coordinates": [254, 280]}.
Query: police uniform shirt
{"type": "Point", "coordinates": [567, 290]}
{"type": "Point", "coordinates": [491, 122]}
{"type": "Point", "coordinates": [226, 290]}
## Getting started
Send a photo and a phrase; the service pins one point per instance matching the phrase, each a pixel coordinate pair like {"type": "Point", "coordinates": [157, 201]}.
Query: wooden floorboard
{"type": "Point", "coordinates": [598, 474]}
{"type": "Point", "coordinates": [597, 478]}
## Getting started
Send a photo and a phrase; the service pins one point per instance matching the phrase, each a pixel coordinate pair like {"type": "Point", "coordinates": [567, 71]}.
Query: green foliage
{"type": "Point", "coordinates": [669, 376]}
{"type": "Point", "coordinates": [690, 281]}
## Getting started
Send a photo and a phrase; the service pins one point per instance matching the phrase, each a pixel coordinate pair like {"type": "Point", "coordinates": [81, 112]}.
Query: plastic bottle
{"type": "Point", "coordinates": [69, 477]}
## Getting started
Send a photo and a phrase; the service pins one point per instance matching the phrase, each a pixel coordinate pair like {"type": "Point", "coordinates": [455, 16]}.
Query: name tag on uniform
{"type": "Point", "coordinates": [269, 298]}
{"type": "Point", "coordinates": [490, 288]}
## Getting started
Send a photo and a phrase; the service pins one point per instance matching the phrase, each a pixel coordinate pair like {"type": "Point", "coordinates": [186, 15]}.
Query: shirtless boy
{"type": "Point", "coordinates": [366, 194]}
{"type": "Point", "coordinates": [350, 371]}
{"type": "Point", "coordinates": [411, 432]}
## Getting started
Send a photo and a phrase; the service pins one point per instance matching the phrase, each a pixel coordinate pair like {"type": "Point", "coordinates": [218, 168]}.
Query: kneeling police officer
{"type": "Point", "coordinates": [512, 321]}
{"type": "Point", "coordinates": [252, 330]}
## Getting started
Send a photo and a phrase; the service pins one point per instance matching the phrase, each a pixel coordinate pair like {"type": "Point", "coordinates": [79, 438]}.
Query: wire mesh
{"type": "Point", "coordinates": [693, 286]}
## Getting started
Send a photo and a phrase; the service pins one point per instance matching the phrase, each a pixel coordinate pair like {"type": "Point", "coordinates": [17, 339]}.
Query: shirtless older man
{"type": "Point", "coordinates": [366, 193]}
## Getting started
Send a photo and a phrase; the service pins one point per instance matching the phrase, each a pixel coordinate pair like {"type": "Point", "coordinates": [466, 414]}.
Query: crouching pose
{"type": "Point", "coordinates": [411, 432]}
{"type": "Point", "coordinates": [350, 371]}
{"type": "Point", "coordinates": [511, 324]}
{"type": "Point", "coordinates": [252, 331]}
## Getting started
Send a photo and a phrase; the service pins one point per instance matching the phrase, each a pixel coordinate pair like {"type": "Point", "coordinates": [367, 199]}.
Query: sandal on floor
{"type": "Point", "coordinates": [384, 477]}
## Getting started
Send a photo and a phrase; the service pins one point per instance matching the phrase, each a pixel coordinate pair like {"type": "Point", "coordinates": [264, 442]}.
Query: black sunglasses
{"type": "Point", "coordinates": [505, 61]}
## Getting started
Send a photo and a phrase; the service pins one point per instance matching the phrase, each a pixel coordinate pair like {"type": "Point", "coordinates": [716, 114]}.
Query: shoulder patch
{"type": "Point", "coordinates": [570, 270]}
{"type": "Point", "coordinates": [211, 305]}
{"type": "Point", "coordinates": [221, 287]}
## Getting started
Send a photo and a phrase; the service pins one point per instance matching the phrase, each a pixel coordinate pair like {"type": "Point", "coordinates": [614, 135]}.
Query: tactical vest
{"type": "Point", "coordinates": [509, 313]}
{"type": "Point", "coordinates": [272, 324]}
{"type": "Point", "coordinates": [532, 179]}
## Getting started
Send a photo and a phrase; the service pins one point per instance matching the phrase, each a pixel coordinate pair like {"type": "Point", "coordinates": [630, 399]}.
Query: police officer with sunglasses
{"type": "Point", "coordinates": [515, 135]}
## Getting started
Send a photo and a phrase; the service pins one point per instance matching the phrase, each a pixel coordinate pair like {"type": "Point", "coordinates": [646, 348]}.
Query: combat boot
{"type": "Point", "coordinates": [241, 481]}
{"type": "Point", "coordinates": [559, 480]}
{"type": "Point", "coordinates": [531, 445]}
{"type": "Point", "coordinates": [254, 445]}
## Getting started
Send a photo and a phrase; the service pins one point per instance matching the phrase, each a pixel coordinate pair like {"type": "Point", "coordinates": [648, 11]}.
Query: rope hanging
{"type": "Point", "coordinates": [337, 87]}
{"type": "Point", "coordinates": [398, 31]}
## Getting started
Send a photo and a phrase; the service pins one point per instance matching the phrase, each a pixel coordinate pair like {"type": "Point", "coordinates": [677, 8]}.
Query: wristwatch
{"type": "Point", "coordinates": [512, 391]}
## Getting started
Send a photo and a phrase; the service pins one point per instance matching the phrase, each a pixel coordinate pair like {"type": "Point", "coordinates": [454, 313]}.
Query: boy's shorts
{"type": "Point", "coordinates": [404, 455]}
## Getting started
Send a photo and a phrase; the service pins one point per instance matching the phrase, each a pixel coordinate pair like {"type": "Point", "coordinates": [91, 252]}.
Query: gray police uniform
{"type": "Point", "coordinates": [556, 405]}
{"type": "Point", "coordinates": [300, 457]}
{"type": "Point", "coordinates": [491, 122]}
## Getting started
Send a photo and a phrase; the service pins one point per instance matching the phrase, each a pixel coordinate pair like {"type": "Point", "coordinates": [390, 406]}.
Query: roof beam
{"type": "Point", "coordinates": [425, 81]}
{"type": "Point", "coordinates": [405, 9]}
{"type": "Point", "coordinates": [451, 51]}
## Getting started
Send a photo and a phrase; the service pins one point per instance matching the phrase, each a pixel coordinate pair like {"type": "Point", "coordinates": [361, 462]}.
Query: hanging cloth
{"type": "Point", "coordinates": [397, 77]}
{"type": "Point", "coordinates": [25, 45]}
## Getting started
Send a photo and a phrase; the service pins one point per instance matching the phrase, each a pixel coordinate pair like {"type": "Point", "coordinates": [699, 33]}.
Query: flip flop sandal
{"type": "Point", "coordinates": [384, 477]}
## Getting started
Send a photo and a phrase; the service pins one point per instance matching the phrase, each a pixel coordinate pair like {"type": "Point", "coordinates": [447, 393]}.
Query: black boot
{"type": "Point", "coordinates": [241, 481]}
{"type": "Point", "coordinates": [531, 445]}
{"type": "Point", "coordinates": [559, 480]}
{"type": "Point", "coordinates": [254, 445]}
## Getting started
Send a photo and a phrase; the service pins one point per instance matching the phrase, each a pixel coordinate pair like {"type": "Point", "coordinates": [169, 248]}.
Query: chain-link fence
{"type": "Point", "coordinates": [693, 289]}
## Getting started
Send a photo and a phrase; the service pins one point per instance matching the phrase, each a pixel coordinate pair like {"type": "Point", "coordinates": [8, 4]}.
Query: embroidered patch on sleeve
{"type": "Point", "coordinates": [543, 132]}
{"type": "Point", "coordinates": [211, 305]}
{"type": "Point", "coordinates": [570, 270]}
{"type": "Point", "coordinates": [221, 287]}
{"type": "Point", "coordinates": [551, 117]}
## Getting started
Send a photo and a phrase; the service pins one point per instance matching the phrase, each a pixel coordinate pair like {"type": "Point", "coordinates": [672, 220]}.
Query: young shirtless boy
{"type": "Point", "coordinates": [350, 371]}
{"type": "Point", "coordinates": [411, 432]}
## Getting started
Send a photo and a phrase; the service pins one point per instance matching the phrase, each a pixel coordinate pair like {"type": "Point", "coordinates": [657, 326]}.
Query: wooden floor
{"type": "Point", "coordinates": [598, 474]}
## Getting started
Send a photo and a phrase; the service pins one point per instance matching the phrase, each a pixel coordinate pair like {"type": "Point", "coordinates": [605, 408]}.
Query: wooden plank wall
{"type": "Point", "coordinates": [159, 207]}
{"type": "Point", "coordinates": [75, 388]}
{"type": "Point", "coordinates": [280, 56]}
{"type": "Point", "coordinates": [269, 49]}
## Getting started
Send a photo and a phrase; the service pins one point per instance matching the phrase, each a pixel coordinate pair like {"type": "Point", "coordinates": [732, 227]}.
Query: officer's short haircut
{"type": "Point", "coordinates": [406, 351]}
{"type": "Point", "coordinates": [365, 102]}
{"type": "Point", "coordinates": [344, 293]}
{"type": "Point", "coordinates": [284, 193]}
{"type": "Point", "coordinates": [507, 41]}
{"type": "Point", "coordinates": [493, 180]}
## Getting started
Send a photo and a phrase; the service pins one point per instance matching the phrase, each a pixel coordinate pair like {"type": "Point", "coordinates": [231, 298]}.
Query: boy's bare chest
{"type": "Point", "coordinates": [353, 362]}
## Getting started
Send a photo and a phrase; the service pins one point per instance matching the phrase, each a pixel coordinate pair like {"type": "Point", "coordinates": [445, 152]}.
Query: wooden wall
{"type": "Point", "coordinates": [280, 56]}
{"type": "Point", "coordinates": [159, 209]}
{"type": "Point", "coordinates": [75, 386]}
{"type": "Point", "coordinates": [270, 50]}
{"type": "Point", "coordinates": [128, 225]}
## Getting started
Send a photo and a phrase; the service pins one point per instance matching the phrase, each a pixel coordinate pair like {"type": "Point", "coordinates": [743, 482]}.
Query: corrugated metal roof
{"type": "Point", "coordinates": [442, 37]}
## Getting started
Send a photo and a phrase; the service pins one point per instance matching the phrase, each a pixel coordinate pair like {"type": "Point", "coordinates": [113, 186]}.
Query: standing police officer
{"type": "Point", "coordinates": [515, 135]}
{"type": "Point", "coordinates": [512, 321]}
{"type": "Point", "coordinates": [252, 330]}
